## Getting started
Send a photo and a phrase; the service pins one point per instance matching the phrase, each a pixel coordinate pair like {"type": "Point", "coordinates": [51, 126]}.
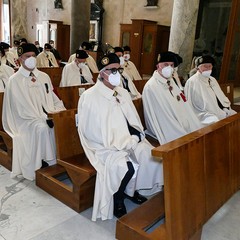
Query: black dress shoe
{"type": "Point", "coordinates": [44, 164]}
{"type": "Point", "coordinates": [137, 198]}
{"type": "Point", "coordinates": [119, 209]}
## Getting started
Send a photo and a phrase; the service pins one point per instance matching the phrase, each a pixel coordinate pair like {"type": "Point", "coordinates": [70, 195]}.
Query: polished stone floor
{"type": "Point", "coordinates": [29, 213]}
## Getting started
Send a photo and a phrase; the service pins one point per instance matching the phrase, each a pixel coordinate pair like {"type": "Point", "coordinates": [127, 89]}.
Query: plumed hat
{"type": "Point", "coordinates": [205, 59]}
{"type": "Point", "coordinates": [86, 46]}
{"type": "Point", "coordinates": [28, 47]}
{"type": "Point", "coordinates": [127, 48]}
{"type": "Point", "coordinates": [81, 54]}
{"type": "Point", "coordinates": [118, 49]}
{"type": "Point", "coordinates": [107, 60]}
{"type": "Point", "coordinates": [168, 57]}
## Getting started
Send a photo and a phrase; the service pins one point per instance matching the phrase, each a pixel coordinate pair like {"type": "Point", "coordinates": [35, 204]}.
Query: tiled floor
{"type": "Point", "coordinates": [28, 213]}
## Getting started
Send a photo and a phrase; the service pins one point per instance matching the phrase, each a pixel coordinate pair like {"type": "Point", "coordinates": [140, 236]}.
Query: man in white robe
{"type": "Point", "coordinates": [77, 72]}
{"type": "Point", "coordinates": [126, 80]}
{"type": "Point", "coordinates": [86, 46]}
{"type": "Point", "coordinates": [7, 57]}
{"type": "Point", "coordinates": [28, 98]}
{"type": "Point", "coordinates": [46, 57]}
{"type": "Point", "coordinates": [123, 160]}
{"type": "Point", "coordinates": [168, 115]}
{"type": "Point", "coordinates": [129, 66]}
{"type": "Point", "coordinates": [5, 73]}
{"type": "Point", "coordinates": [205, 95]}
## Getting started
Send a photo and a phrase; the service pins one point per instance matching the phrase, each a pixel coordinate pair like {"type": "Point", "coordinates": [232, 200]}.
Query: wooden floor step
{"type": "Point", "coordinates": [134, 225]}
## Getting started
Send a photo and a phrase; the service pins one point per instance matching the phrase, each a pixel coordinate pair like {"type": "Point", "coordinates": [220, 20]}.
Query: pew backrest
{"type": "Point", "coordinates": [55, 74]}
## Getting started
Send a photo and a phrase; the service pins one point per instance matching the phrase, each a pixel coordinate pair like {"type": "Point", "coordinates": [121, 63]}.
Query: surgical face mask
{"type": "Point", "coordinates": [121, 60]}
{"type": "Point", "coordinates": [167, 71]}
{"type": "Point", "coordinates": [114, 79]}
{"type": "Point", "coordinates": [38, 46]}
{"type": "Point", "coordinates": [207, 73]}
{"type": "Point", "coordinates": [81, 64]}
{"type": "Point", "coordinates": [52, 45]}
{"type": "Point", "coordinates": [30, 62]}
{"type": "Point", "coordinates": [126, 56]}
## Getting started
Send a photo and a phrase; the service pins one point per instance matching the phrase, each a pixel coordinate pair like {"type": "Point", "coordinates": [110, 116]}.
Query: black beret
{"type": "Point", "coordinates": [81, 54]}
{"type": "Point", "coordinates": [127, 48]}
{"type": "Point", "coordinates": [47, 46]}
{"type": "Point", "coordinates": [118, 49]}
{"type": "Point", "coordinates": [86, 46]}
{"type": "Point", "coordinates": [168, 57]}
{"type": "Point", "coordinates": [107, 60]}
{"type": "Point", "coordinates": [205, 59]}
{"type": "Point", "coordinates": [27, 47]}
{"type": "Point", "coordinates": [23, 40]}
{"type": "Point", "coordinates": [4, 45]}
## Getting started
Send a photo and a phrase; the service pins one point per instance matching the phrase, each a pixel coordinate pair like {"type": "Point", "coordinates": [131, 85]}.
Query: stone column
{"type": "Point", "coordinates": [80, 23]}
{"type": "Point", "coordinates": [183, 29]}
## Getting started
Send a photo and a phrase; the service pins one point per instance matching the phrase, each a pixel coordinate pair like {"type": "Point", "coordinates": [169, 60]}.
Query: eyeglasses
{"type": "Point", "coordinates": [115, 70]}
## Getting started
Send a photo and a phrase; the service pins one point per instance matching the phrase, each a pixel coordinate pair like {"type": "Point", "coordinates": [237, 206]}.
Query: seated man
{"type": "Point", "coordinates": [168, 115]}
{"type": "Point", "coordinates": [129, 67]}
{"type": "Point", "coordinates": [126, 81]}
{"type": "Point", "coordinates": [205, 95]}
{"type": "Point", "coordinates": [46, 57]}
{"type": "Point", "coordinates": [113, 139]}
{"type": "Point", "coordinates": [76, 72]}
{"type": "Point", "coordinates": [28, 99]}
{"type": "Point", "coordinates": [5, 73]}
{"type": "Point", "coordinates": [86, 46]}
{"type": "Point", "coordinates": [7, 57]}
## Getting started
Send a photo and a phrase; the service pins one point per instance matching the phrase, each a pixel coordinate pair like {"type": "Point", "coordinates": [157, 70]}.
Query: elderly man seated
{"type": "Point", "coordinates": [167, 113]}
{"type": "Point", "coordinates": [205, 95]}
{"type": "Point", "coordinates": [77, 72]}
{"type": "Point", "coordinates": [113, 139]}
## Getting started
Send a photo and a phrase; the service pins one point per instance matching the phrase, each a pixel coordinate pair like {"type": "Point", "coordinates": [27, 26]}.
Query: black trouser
{"type": "Point", "coordinates": [119, 195]}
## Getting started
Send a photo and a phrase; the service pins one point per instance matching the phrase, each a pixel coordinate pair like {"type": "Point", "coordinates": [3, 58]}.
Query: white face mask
{"type": "Point", "coordinates": [207, 73]}
{"type": "Point", "coordinates": [52, 45]}
{"type": "Point", "coordinates": [121, 60]}
{"type": "Point", "coordinates": [30, 62]}
{"type": "Point", "coordinates": [167, 71]}
{"type": "Point", "coordinates": [38, 46]}
{"type": "Point", "coordinates": [114, 79]}
{"type": "Point", "coordinates": [126, 56]}
{"type": "Point", "coordinates": [81, 65]}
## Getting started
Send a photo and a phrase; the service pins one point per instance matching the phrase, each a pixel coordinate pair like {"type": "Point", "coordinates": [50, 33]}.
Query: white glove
{"type": "Point", "coordinates": [132, 144]}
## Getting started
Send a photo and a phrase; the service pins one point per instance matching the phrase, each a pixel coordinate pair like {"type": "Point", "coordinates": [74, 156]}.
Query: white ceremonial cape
{"type": "Point", "coordinates": [131, 70]}
{"type": "Point", "coordinates": [5, 73]}
{"type": "Point", "coordinates": [108, 145]}
{"type": "Point", "coordinates": [167, 116]}
{"type": "Point", "coordinates": [133, 90]}
{"type": "Point", "coordinates": [202, 97]}
{"type": "Point", "coordinates": [71, 75]}
{"type": "Point", "coordinates": [24, 120]}
{"type": "Point", "coordinates": [42, 59]}
{"type": "Point", "coordinates": [90, 62]}
{"type": "Point", "coordinates": [9, 56]}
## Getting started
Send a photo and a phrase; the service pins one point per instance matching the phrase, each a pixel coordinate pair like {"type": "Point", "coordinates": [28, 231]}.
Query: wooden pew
{"type": "Point", "coordinates": [71, 161]}
{"type": "Point", "coordinates": [5, 142]}
{"type": "Point", "coordinates": [201, 172]}
{"type": "Point", "coordinates": [55, 74]}
{"type": "Point", "coordinates": [70, 95]}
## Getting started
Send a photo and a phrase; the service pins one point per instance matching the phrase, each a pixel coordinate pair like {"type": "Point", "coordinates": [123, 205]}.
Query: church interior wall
{"type": "Point", "coordinates": [116, 12]}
